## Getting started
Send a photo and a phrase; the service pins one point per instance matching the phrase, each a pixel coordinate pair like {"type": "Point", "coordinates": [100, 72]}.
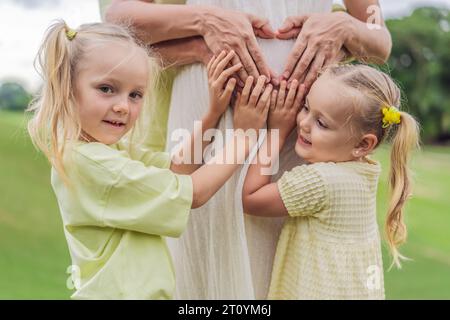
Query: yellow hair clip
{"type": "Point", "coordinates": [70, 33]}
{"type": "Point", "coordinates": [391, 115]}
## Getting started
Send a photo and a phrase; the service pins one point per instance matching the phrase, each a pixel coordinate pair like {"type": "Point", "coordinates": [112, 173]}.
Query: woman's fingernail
{"type": "Point", "coordinates": [286, 74]}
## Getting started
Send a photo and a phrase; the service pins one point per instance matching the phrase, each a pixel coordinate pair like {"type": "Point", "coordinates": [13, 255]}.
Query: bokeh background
{"type": "Point", "coordinates": [34, 259]}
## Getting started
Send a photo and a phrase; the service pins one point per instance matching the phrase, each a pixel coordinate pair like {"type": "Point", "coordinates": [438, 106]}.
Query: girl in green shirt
{"type": "Point", "coordinates": [118, 199]}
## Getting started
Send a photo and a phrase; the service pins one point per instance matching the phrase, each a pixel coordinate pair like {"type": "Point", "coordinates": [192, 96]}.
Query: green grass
{"type": "Point", "coordinates": [428, 221]}
{"type": "Point", "coordinates": [33, 251]}
{"type": "Point", "coordinates": [34, 256]}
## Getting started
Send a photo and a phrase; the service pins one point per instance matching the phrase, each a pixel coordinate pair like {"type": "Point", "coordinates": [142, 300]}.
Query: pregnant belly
{"type": "Point", "coordinates": [276, 52]}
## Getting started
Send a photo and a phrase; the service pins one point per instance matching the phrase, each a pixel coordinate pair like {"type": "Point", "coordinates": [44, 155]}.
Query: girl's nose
{"type": "Point", "coordinates": [303, 123]}
{"type": "Point", "coordinates": [121, 107]}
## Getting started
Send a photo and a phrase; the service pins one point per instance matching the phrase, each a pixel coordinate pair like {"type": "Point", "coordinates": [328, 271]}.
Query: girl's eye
{"type": "Point", "coordinates": [136, 95]}
{"type": "Point", "coordinates": [322, 124]}
{"type": "Point", "coordinates": [105, 89]}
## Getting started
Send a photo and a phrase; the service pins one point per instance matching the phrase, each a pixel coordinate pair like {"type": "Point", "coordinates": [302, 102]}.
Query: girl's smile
{"type": "Point", "coordinates": [303, 141]}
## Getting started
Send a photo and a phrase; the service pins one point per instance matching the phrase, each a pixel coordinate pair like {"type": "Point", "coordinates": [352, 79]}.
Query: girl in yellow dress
{"type": "Point", "coordinates": [118, 200]}
{"type": "Point", "coordinates": [329, 247]}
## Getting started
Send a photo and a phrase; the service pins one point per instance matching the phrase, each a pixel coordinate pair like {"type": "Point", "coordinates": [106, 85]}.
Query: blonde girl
{"type": "Point", "coordinates": [117, 199]}
{"type": "Point", "coordinates": [329, 247]}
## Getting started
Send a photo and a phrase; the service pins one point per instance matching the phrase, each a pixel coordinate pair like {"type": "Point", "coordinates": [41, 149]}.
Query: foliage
{"type": "Point", "coordinates": [420, 61]}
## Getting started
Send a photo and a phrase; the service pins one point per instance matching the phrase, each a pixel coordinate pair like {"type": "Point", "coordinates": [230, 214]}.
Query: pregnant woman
{"type": "Point", "coordinates": [227, 254]}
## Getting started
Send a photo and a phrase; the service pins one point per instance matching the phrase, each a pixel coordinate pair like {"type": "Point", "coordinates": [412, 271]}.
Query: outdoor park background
{"type": "Point", "coordinates": [33, 253]}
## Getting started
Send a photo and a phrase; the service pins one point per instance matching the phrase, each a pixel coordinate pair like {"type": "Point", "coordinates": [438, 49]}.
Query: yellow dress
{"type": "Point", "coordinates": [115, 213]}
{"type": "Point", "coordinates": [329, 247]}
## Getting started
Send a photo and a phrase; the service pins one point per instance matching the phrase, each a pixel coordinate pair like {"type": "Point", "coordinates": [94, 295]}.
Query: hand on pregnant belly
{"type": "Point", "coordinates": [235, 31]}
{"type": "Point", "coordinates": [319, 42]}
{"type": "Point", "coordinates": [320, 39]}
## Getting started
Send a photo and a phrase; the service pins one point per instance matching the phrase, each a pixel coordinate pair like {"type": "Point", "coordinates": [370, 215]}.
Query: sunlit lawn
{"type": "Point", "coordinates": [34, 256]}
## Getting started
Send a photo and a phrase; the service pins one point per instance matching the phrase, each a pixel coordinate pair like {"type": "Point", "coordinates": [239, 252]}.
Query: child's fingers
{"type": "Point", "coordinates": [231, 84]}
{"type": "Point", "coordinates": [265, 97]}
{"type": "Point", "coordinates": [265, 111]}
{"type": "Point", "coordinates": [208, 67]}
{"type": "Point", "coordinates": [281, 94]}
{"type": "Point", "coordinates": [300, 96]}
{"type": "Point", "coordinates": [291, 94]}
{"type": "Point", "coordinates": [227, 73]}
{"type": "Point", "coordinates": [237, 101]}
{"type": "Point", "coordinates": [257, 90]}
{"type": "Point", "coordinates": [216, 61]}
{"type": "Point", "coordinates": [273, 99]}
{"type": "Point", "coordinates": [246, 90]}
{"type": "Point", "coordinates": [222, 64]}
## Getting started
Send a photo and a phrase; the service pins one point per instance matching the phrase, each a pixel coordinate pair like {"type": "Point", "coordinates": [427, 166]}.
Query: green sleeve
{"type": "Point", "coordinates": [149, 200]}
{"type": "Point", "coordinates": [115, 191]}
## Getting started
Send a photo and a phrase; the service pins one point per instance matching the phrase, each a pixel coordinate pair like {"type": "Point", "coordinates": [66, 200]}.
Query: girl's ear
{"type": "Point", "coordinates": [366, 145]}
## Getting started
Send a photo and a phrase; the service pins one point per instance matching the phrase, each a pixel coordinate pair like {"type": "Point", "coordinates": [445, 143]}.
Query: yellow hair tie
{"type": "Point", "coordinates": [70, 33]}
{"type": "Point", "coordinates": [391, 115]}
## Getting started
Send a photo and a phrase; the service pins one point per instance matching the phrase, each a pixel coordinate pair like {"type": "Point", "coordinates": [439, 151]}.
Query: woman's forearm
{"type": "Point", "coordinates": [180, 52]}
{"type": "Point", "coordinates": [158, 22]}
{"type": "Point", "coordinates": [368, 42]}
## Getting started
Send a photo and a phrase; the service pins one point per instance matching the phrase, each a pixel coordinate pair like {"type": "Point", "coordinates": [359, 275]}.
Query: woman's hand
{"type": "Point", "coordinates": [252, 106]}
{"type": "Point", "coordinates": [284, 108]}
{"type": "Point", "coordinates": [320, 38]}
{"type": "Point", "coordinates": [232, 30]}
{"type": "Point", "coordinates": [220, 83]}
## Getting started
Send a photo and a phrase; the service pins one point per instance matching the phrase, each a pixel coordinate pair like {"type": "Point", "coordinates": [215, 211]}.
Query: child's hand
{"type": "Point", "coordinates": [219, 94]}
{"type": "Point", "coordinates": [251, 108]}
{"type": "Point", "coordinates": [283, 109]}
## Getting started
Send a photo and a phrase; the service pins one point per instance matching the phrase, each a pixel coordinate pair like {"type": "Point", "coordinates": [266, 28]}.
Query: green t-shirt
{"type": "Point", "coordinates": [115, 214]}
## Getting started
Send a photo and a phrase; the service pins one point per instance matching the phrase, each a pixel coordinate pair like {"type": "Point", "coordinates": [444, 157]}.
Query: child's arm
{"type": "Point", "coordinates": [259, 196]}
{"type": "Point", "coordinates": [250, 112]}
{"type": "Point", "coordinates": [221, 87]}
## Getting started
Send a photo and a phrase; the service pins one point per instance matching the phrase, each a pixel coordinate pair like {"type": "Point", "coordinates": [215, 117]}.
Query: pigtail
{"type": "Point", "coordinates": [404, 142]}
{"type": "Point", "coordinates": [55, 120]}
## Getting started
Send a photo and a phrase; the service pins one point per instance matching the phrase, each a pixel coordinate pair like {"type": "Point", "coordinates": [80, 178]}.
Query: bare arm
{"type": "Point", "coordinates": [250, 112]}
{"type": "Point", "coordinates": [220, 28]}
{"type": "Point", "coordinates": [181, 52]}
{"type": "Point", "coordinates": [221, 86]}
{"type": "Point", "coordinates": [157, 22]}
{"type": "Point", "coordinates": [321, 37]}
{"type": "Point", "coordinates": [365, 41]}
{"type": "Point", "coordinates": [259, 196]}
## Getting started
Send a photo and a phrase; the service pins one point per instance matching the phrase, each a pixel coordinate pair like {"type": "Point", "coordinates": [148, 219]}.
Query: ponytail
{"type": "Point", "coordinates": [53, 110]}
{"type": "Point", "coordinates": [406, 139]}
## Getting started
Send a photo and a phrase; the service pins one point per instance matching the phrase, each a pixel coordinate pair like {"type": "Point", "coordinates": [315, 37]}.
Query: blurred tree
{"type": "Point", "coordinates": [13, 97]}
{"type": "Point", "coordinates": [420, 62]}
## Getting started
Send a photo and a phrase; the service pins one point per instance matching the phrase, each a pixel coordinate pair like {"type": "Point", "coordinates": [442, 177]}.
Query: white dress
{"type": "Point", "coordinates": [223, 253]}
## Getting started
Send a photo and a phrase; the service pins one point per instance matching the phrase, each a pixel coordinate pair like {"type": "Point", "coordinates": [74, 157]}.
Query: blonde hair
{"type": "Point", "coordinates": [55, 122]}
{"type": "Point", "coordinates": [376, 90]}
